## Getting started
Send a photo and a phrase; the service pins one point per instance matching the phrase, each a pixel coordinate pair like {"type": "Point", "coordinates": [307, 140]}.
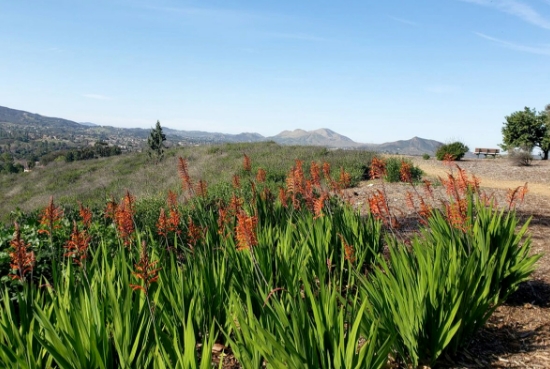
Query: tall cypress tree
{"type": "Point", "coordinates": [155, 140]}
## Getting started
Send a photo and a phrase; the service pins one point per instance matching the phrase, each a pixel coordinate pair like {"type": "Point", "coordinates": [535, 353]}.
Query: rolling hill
{"type": "Point", "coordinates": [17, 124]}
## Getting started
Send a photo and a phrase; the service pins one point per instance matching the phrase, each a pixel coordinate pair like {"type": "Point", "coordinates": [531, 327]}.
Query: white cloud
{"type": "Point", "coordinates": [96, 96]}
{"type": "Point", "coordinates": [517, 9]}
{"type": "Point", "coordinates": [541, 50]}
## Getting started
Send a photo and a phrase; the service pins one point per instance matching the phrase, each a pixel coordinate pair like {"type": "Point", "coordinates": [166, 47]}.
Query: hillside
{"type": "Point", "coordinates": [31, 120]}
{"type": "Point", "coordinates": [95, 181]}
{"type": "Point", "coordinates": [414, 146]}
{"type": "Point", "coordinates": [29, 138]}
{"type": "Point", "coordinates": [320, 137]}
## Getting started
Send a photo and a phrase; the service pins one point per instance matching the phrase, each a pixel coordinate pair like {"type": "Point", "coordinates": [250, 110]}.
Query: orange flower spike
{"type": "Point", "coordinates": [222, 219]}
{"type": "Point", "coordinates": [523, 192]}
{"type": "Point", "coordinates": [247, 164]}
{"type": "Point", "coordinates": [308, 195]}
{"type": "Point", "coordinates": [172, 200]}
{"type": "Point", "coordinates": [425, 211]}
{"type": "Point", "coordinates": [51, 215]}
{"type": "Point", "coordinates": [162, 223]}
{"type": "Point", "coordinates": [326, 172]}
{"type": "Point", "coordinates": [124, 219]}
{"type": "Point", "coordinates": [22, 261]}
{"type": "Point", "coordinates": [236, 204]}
{"type": "Point", "coordinates": [405, 172]}
{"type": "Point", "coordinates": [183, 171]}
{"type": "Point", "coordinates": [298, 174]}
{"type": "Point", "coordinates": [146, 270]}
{"type": "Point", "coordinates": [409, 200]}
{"type": "Point", "coordinates": [282, 196]}
{"type": "Point", "coordinates": [236, 182]}
{"type": "Point", "coordinates": [110, 209]}
{"type": "Point", "coordinates": [475, 183]}
{"type": "Point", "coordinates": [345, 179]}
{"type": "Point", "coordinates": [202, 189]}
{"type": "Point", "coordinates": [85, 214]}
{"type": "Point", "coordinates": [77, 245]}
{"type": "Point", "coordinates": [457, 214]}
{"type": "Point", "coordinates": [377, 168]}
{"type": "Point", "coordinates": [174, 221]}
{"type": "Point", "coordinates": [515, 195]}
{"type": "Point", "coordinates": [245, 232]}
{"type": "Point", "coordinates": [319, 205]}
{"type": "Point", "coordinates": [448, 160]}
{"type": "Point", "coordinates": [261, 175]}
{"type": "Point", "coordinates": [194, 233]}
{"type": "Point", "coordinates": [349, 251]}
{"type": "Point", "coordinates": [428, 189]}
{"type": "Point", "coordinates": [129, 201]}
{"type": "Point", "coordinates": [463, 182]}
{"type": "Point", "coordinates": [315, 173]}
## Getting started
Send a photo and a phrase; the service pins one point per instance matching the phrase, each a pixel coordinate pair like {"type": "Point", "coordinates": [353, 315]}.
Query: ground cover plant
{"type": "Point", "coordinates": [284, 275]}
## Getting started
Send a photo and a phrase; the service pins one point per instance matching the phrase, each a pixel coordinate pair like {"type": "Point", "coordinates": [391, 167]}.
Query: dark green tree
{"type": "Point", "coordinates": [155, 142]}
{"type": "Point", "coordinates": [527, 129]}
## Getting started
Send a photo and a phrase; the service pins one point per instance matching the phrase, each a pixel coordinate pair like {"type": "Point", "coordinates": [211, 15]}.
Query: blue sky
{"type": "Point", "coordinates": [373, 71]}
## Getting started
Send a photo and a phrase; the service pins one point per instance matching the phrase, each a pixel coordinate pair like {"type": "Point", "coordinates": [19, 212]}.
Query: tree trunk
{"type": "Point", "coordinates": [545, 155]}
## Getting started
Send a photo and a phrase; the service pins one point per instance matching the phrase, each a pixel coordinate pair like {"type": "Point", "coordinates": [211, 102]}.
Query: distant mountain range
{"type": "Point", "coordinates": [58, 127]}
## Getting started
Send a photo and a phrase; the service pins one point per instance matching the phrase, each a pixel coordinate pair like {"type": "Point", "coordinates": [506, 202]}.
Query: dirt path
{"type": "Point", "coordinates": [498, 174]}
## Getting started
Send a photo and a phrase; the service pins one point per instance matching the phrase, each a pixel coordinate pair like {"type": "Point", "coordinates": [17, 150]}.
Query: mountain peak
{"type": "Point", "coordinates": [318, 137]}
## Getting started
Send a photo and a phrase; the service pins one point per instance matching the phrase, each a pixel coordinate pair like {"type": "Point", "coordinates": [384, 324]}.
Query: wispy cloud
{"type": "Point", "coordinates": [96, 96]}
{"type": "Point", "coordinates": [541, 50]}
{"type": "Point", "coordinates": [404, 21]}
{"type": "Point", "coordinates": [517, 9]}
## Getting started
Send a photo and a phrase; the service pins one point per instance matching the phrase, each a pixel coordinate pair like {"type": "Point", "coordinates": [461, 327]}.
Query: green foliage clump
{"type": "Point", "coordinates": [297, 280]}
{"type": "Point", "coordinates": [527, 128]}
{"type": "Point", "coordinates": [452, 151]}
{"type": "Point", "coordinates": [8, 165]}
{"type": "Point", "coordinates": [155, 142]}
{"type": "Point", "coordinates": [434, 296]}
{"type": "Point", "coordinates": [394, 170]}
{"type": "Point", "coordinates": [426, 156]}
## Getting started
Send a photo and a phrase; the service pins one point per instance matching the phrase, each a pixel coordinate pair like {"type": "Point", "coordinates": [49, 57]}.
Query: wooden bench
{"type": "Point", "coordinates": [493, 152]}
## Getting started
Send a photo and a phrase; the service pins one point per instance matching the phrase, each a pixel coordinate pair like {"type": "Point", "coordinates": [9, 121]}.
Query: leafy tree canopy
{"type": "Point", "coordinates": [527, 129]}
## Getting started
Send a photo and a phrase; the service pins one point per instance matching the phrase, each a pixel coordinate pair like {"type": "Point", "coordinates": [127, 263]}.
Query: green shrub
{"type": "Point", "coordinates": [437, 292]}
{"type": "Point", "coordinates": [393, 170]}
{"type": "Point", "coordinates": [426, 156]}
{"type": "Point", "coordinates": [454, 151]}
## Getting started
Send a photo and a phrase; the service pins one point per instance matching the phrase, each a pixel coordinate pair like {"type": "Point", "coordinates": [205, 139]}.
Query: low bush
{"type": "Point", "coordinates": [452, 151]}
{"type": "Point", "coordinates": [520, 157]}
{"type": "Point", "coordinates": [400, 170]}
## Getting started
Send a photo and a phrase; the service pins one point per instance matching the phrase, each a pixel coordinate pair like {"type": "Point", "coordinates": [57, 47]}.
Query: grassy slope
{"type": "Point", "coordinates": [93, 182]}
